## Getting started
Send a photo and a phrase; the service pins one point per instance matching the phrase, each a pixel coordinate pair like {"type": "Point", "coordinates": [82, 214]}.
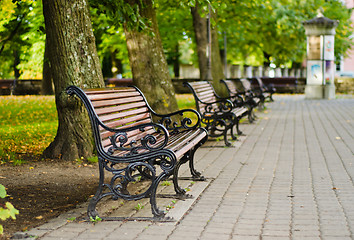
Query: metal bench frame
{"type": "Point", "coordinates": [242, 98]}
{"type": "Point", "coordinates": [219, 115]}
{"type": "Point", "coordinates": [136, 147]}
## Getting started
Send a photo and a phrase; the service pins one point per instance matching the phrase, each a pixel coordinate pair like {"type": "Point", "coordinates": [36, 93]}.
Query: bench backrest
{"type": "Point", "coordinates": [246, 84]}
{"type": "Point", "coordinates": [231, 87]}
{"type": "Point", "coordinates": [260, 83]}
{"type": "Point", "coordinates": [203, 93]}
{"type": "Point", "coordinates": [118, 108]}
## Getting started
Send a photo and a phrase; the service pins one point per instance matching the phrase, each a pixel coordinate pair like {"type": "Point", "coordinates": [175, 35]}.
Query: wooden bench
{"type": "Point", "coordinates": [7, 86]}
{"type": "Point", "coordinates": [266, 90]}
{"type": "Point", "coordinates": [218, 114]}
{"type": "Point", "coordinates": [240, 98]}
{"type": "Point", "coordinates": [130, 145]}
{"type": "Point", "coordinates": [256, 94]}
{"type": "Point", "coordinates": [285, 84]}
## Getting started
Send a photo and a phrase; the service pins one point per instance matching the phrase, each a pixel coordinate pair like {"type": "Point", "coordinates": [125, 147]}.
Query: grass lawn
{"type": "Point", "coordinates": [29, 123]}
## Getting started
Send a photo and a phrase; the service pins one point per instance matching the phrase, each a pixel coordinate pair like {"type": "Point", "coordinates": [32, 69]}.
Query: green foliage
{"type": "Point", "coordinates": [139, 207]}
{"type": "Point", "coordinates": [93, 159]}
{"type": "Point", "coordinates": [21, 39]}
{"type": "Point", "coordinates": [96, 219]}
{"type": "Point", "coordinates": [257, 31]}
{"type": "Point", "coordinates": [27, 125]}
{"type": "Point", "coordinates": [111, 44]}
{"type": "Point", "coordinates": [7, 210]}
{"type": "Point", "coordinates": [71, 219]}
{"type": "Point", "coordinates": [272, 30]}
{"type": "Point", "coordinates": [343, 41]}
{"type": "Point", "coordinates": [176, 35]}
{"type": "Point", "coordinates": [166, 183]}
{"type": "Point", "coordinates": [120, 12]}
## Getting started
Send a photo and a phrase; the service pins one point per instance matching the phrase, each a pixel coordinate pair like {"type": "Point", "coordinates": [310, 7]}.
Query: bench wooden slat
{"type": "Point", "coordinates": [119, 108]}
{"type": "Point", "coordinates": [117, 101]}
{"type": "Point", "coordinates": [108, 96]}
{"type": "Point", "coordinates": [123, 114]}
{"type": "Point", "coordinates": [126, 121]}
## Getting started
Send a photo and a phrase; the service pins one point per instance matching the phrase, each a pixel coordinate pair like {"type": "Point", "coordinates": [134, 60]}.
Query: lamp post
{"type": "Point", "coordinates": [320, 33]}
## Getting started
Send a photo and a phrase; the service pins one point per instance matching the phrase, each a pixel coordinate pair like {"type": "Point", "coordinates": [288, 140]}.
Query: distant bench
{"type": "Point", "coordinates": [131, 146]}
{"type": "Point", "coordinates": [20, 86]}
{"type": "Point", "coordinates": [7, 86]}
{"type": "Point", "coordinates": [220, 115]}
{"type": "Point", "coordinates": [283, 84]}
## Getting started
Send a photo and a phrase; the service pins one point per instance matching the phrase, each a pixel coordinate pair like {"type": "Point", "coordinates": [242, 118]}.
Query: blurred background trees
{"type": "Point", "coordinates": [148, 41]}
{"type": "Point", "coordinates": [258, 33]}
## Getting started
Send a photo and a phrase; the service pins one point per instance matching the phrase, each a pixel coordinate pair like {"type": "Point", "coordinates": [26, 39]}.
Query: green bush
{"type": "Point", "coordinates": [7, 210]}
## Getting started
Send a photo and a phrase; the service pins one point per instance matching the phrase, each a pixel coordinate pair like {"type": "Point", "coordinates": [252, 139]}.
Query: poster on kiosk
{"type": "Point", "coordinates": [320, 61]}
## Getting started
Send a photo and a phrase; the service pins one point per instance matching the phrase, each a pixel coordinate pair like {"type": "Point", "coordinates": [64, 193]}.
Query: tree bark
{"type": "Point", "coordinates": [47, 81]}
{"type": "Point", "coordinates": [148, 63]}
{"type": "Point", "coordinates": [73, 61]}
{"type": "Point", "coordinates": [200, 30]}
{"type": "Point", "coordinates": [16, 63]}
{"type": "Point", "coordinates": [217, 69]}
{"type": "Point", "coordinates": [175, 59]}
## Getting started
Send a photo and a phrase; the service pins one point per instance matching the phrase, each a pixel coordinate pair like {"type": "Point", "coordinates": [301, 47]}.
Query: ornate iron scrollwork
{"type": "Point", "coordinates": [184, 123]}
{"type": "Point", "coordinates": [120, 141]}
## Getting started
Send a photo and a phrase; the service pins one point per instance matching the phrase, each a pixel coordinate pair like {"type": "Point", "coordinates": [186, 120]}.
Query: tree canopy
{"type": "Point", "coordinates": [258, 32]}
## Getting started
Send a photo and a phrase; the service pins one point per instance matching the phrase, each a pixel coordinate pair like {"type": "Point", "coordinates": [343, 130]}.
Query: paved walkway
{"type": "Point", "coordinates": [291, 177]}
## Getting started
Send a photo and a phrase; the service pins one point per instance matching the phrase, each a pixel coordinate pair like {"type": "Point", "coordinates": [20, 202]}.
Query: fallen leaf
{"type": "Point", "coordinates": [338, 138]}
{"type": "Point", "coordinates": [39, 217]}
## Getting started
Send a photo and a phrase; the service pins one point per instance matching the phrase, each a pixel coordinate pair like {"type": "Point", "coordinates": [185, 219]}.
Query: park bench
{"type": "Point", "coordinates": [240, 98]}
{"type": "Point", "coordinates": [256, 94]}
{"type": "Point", "coordinates": [266, 90]}
{"type": "Point", "coordinates": [7, 86]}
{"type": "Point", "coordinates": [284, 84]}
{"type": "Point", "coordinates": [218, 114]}
{"type": "Point", "coordinates": [131, 146]}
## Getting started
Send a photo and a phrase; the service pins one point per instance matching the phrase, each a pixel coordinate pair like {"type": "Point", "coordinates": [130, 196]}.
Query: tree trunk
{"type": "Point", "coordinates": [47, 81]}
{"type": "Point", "coordinates": [73, 61]}
{"type": "Point", "coordinates": [200, 31]}
{"type": "Point", "coordinates": [201, 38]}
{"type": "Point", "coordinates": [148, 62]}
{"type": "Point", "coordinates": [176, 66]}
{"type": "Point", "coordinates": [217, 69]}
{"type": "Point", "coordinates": [16, 63]}
{"type": "Point", "coordinates": [266, 62]}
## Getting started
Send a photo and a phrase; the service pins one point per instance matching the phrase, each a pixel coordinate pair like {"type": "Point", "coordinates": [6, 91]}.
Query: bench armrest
{"type": "Point", "coordinates": [222, 105]}
{"type": "Point", "coordinates": [236, 99]}
{"type": "Point", "coordinates": [181, 122]}
{"type": "Point", "coordinates": [121, 142]}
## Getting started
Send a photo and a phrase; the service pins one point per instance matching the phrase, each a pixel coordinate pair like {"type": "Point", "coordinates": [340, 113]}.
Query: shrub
{"type": "Point", "coordinates": [7, 210]}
